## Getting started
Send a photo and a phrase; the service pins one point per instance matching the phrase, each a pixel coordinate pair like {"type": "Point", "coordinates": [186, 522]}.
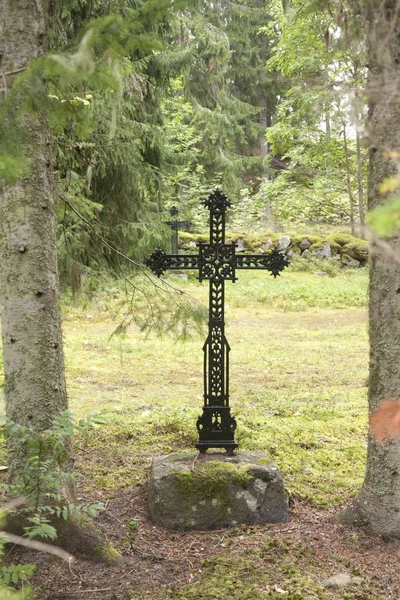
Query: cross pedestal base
{"type": "Point", "coordinates": [229, 445]}
{"type": "Point", "coordinates": [209, 491]}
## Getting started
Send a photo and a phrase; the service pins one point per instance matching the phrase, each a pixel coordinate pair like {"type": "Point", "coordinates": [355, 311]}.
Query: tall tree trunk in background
{"type": "Point", "coordinates": [35, 387]}
{"type": "Point", "coordinates": [378, 502]}
{"type": "Point", "coordinates": [360, 181]}
{"type": "Point", "coordinates": [264, 150]}
{"type": "Point", "coordinates": [358, 120]}
{"type": "Point", "coordinates": [348, 177]}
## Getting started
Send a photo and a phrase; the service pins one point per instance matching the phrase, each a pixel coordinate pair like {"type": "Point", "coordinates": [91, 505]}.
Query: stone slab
{"type": "Point", "coordinates": [213, 490]}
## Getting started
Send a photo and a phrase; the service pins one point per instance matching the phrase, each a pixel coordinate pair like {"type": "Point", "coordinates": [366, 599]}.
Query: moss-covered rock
{"type": "Point", "coordinates": [341, 238]}
{"type": "Point", "coordinates": [215, 490]}
{"type": "Point", "coordinates": [357, 249]}
{"type": "Point", "coordinates": [313, 239]}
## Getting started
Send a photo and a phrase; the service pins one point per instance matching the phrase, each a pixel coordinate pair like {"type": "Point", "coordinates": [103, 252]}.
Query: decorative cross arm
{"type": "Point", "coordinates": [160, 261]}
{"type": "Point", "coordinates": [275, 261]}
{"type": "Point", "coordinates": [176, 225]}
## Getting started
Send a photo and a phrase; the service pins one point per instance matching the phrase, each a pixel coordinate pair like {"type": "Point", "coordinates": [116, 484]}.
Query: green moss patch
{"type": "Point", "coordinates": [208, 480]}
{"type": "Point", "coordinates": [357, 250]}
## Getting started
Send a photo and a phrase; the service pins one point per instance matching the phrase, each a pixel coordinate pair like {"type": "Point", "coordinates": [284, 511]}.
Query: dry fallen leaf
{"type": "Point", "coordinates": [280, 590]}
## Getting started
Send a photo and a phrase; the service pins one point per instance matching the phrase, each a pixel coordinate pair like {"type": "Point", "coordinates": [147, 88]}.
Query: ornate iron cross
{"type": "Point", "coordinates": [217, 262]}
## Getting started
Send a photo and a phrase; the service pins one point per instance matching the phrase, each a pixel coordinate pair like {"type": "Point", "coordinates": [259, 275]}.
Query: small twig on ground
{"type": "Point", "coordinates": [75, 573]}
{"type": "Point", "coordinates": [136, 495]}
{"type": "Point", "coordinates": [14, 72]}
{"type": "Point", "coordinates": [150, 556]}
{"type": "Point", "coordinates": [48, 581]}
{"type": "Point", "coordinates": [114, 517]}
{"type": "Point", "coordinates": [194, 460]}
{"type": "Point", "coordinates": [83, 591]}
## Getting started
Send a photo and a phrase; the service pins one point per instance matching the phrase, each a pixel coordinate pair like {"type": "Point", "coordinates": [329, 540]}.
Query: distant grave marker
{"type": "Point", "coordinates": [176, 226]}
{"type": "Point", "coordinates": [216, 261]}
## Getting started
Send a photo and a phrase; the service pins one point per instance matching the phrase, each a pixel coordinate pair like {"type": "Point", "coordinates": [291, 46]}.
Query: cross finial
{"type": "Point", "coordinates": [217, 201]}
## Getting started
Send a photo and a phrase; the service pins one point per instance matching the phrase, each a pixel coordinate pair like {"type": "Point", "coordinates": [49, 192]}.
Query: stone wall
{"type": "Point", "coordinates": [349, 250]}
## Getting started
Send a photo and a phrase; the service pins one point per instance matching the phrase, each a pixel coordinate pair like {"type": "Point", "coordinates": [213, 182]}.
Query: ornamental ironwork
{"type": "Point", "coordinates": [217, 262]}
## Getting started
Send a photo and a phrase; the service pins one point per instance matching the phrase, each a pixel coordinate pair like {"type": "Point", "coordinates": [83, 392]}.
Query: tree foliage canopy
{"type": "Point", "coordinates": [152, 104]}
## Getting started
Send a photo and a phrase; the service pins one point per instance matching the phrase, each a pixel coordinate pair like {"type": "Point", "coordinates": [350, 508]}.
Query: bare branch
{"type": "Point", "coordinates": [35, 545]}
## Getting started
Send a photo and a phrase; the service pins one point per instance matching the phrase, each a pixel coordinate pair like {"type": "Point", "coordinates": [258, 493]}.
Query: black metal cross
{"type": "Point", "coordinates": [176, 226]}
{"type": "Point", "coordinates": [217, 262]}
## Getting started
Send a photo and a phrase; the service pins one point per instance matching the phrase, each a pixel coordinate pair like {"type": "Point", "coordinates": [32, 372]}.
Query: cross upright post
{"type": "Point", "coordinates": [217, 262]}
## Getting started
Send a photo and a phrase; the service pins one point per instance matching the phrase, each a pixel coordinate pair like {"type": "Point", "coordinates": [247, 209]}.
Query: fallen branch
{"type": "Point", "coordinates": [35, 545]}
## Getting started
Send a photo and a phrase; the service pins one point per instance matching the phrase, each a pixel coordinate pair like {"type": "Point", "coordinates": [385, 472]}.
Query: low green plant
{"type": "Point", "coordinates": [13, 574]}
{"type": "Point", "coordinates": [45, 475]}
{"type": "Point", "coordinates": [313, 264]}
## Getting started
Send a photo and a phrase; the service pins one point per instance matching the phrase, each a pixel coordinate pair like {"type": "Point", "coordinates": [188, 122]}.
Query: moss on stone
{"type": "Point", "coordinates": [341, 238]}
{"type": "Point", "coordinates": [210, 479]}
{"type": "Point", "coordinates": [341, 243]}
{"type": "Point", "coordinates": [358, 250]}
{"type": "Point", "coordinates": [313, 239]}
{"type": "Point", "coordinates": [180, 456]}
{"type": "Point", "coordinates": [317, 245]}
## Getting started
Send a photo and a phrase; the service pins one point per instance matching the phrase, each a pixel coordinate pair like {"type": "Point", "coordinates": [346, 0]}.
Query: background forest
{"type": "Point", "coordinates": [212, 94]}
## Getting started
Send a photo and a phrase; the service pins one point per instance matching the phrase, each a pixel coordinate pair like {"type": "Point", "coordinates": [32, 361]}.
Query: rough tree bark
{"type": "Point", "coordinates": [378, 502]}
{"type": "Point", "coordinates": [35, 386]}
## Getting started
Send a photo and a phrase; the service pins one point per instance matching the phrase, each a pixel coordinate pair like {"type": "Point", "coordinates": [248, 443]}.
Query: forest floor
{"type": "Point", "coordinates": [299, 367]}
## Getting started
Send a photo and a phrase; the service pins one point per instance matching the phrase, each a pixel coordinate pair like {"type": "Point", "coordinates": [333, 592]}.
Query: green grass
{"type": "Point", "coordinates": [298, 381]}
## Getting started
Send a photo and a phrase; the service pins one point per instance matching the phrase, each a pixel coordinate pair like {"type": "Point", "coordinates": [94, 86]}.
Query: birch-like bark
{"type": "Point", "coordinates": [360, 185]}
{"type": "Point", "coordinates": [348, 177]}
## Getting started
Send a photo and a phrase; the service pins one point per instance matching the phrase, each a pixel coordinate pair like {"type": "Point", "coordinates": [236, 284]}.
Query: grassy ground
{"type": "Point", "coordinates": [298, 383]}
{"type": "Point", "coordinates": [299, 366]}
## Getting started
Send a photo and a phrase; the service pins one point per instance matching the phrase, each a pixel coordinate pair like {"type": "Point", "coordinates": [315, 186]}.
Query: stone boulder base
{"type": "Point", "coordinates": [213, 490]}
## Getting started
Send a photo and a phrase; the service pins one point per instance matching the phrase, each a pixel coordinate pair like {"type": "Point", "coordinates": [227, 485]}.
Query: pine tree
{"type": "Point", "coordinates": [226, 82]}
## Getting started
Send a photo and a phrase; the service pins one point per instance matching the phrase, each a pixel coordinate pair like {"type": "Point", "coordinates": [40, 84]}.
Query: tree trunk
{"type": "Point", "coordinates": [360, 175]}
{"type": "Point", "coordinates": [348, 178]}
{"type": "Point", "coordinates": [264, 149]}
{"type": "Point", "coordinates": [378, 501]}
{"type": "Point", "coordinates": [35, 388]}
{"type": "Point", "coordinates": [360, 186]}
